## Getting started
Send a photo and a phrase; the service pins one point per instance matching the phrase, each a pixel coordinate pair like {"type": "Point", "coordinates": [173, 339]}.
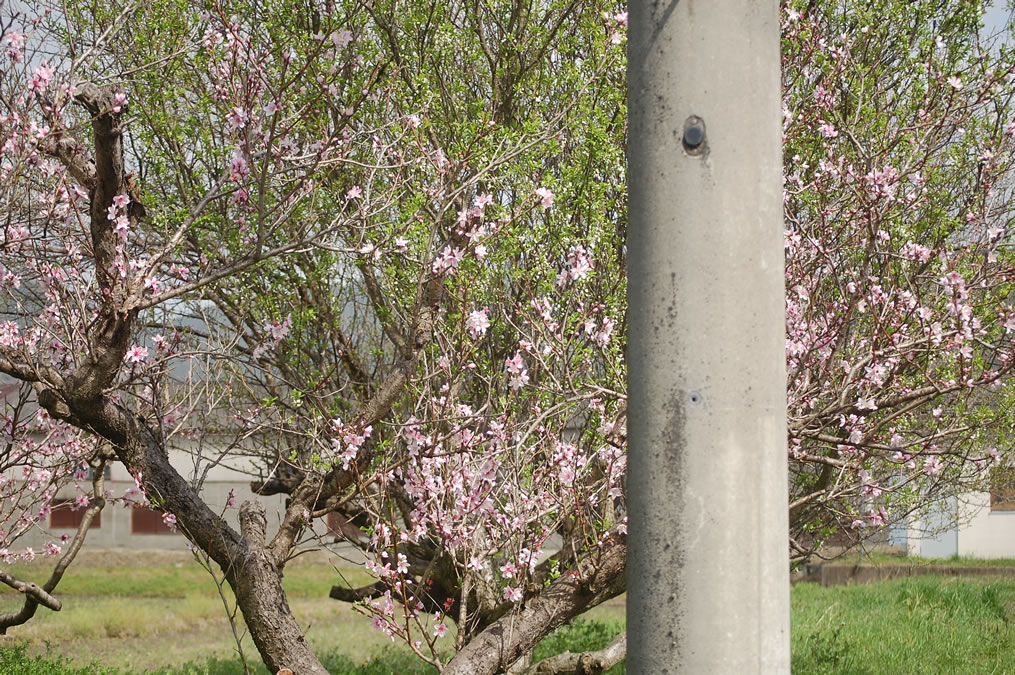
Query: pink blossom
{"type": "Point", "coordinates": [545, 197]}
{"type": "Point", "coordinates": [137, 354]}
{"type": "Point", "coordinates": [448, 260]}
{"type": "Point", "coordinates": [579, 264]}
{"type": "Point", "coordinates": [370, 249]}
{"type": "Point", "coordinates": [866, 403]}
{"type": "Point", "coordinates": [380, 624]}
{"type": "Point", "coordinates": [515, 364]}
{"type": "Point", "coordinates": [169, 520]}
{"type": "Point", "coordinates": [122, 227]}
{"type": "Point", "coordinates": [238, 169]}
{"type": "Point", "coordinates": [478, 323]}
{"type": "Point", "coordinates": [42, 77]}
{"type": "Point", "coordinates": [280, 329]}
{"type": "Point", "coordinates": [341, 38]}
{"type": "Point", "coordinates": [566, 475]}
{"type": "Point", "coordinates": [602, 337]}
{"type": "Point", "coordinates": [10, 334]}
{"type": "Point", "coordinates": [236, 118]}
{"type": "Point", "coordinates": [916, 252]}
{"type": "Point", "coordinates": [354, 192]}
{"type": "Point", "coordinates": [877, 518]}
{"type": "Point", "coordinates": [440, 630]}
{"type": "Point", "coordinates": [827, 130]}
{"type": "Point", "coordinates": [121, 201]}
{"type": "Point", "coordinates": [955, 82]}
{"type": "Point", "coordinates": [513, 594]}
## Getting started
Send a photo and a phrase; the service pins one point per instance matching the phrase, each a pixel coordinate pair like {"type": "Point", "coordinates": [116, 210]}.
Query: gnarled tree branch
{"type": "Point", "coordinates": [582, 663]}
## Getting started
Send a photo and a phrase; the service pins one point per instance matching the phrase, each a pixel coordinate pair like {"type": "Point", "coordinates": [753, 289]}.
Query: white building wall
{"type": "Point", "coordinates": [987, 534]}
{"type": "Point", "coordinates": [979, 533]}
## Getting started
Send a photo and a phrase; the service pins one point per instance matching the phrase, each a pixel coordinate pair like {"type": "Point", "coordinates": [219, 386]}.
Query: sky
{"type": "Point", "coordinates": [996, 16]}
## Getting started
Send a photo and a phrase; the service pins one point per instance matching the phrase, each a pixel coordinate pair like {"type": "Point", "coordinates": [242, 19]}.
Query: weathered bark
{"type": "Point", "coordinates": [583, 663]}
{"type": "Point", "coordinates": [254, 575]}
{"type": "Point", "coordinates": [514, 635]}
{"type": "Point", "coordinates": [256, 579]}
{"type": "Point", "coordinates": [34, 592]}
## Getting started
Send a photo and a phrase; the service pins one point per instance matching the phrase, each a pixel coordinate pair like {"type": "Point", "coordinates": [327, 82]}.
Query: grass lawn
{"type": "Point", "coordinates": [889, 559]}
{"type": "Point", "coordinates": [138, 617]}
{"type": "Point", "coordinates": [168, 615]}
{"type": "Point", "coordinates": [135, 617]}
{"type": "Point", "coordinates": [916, 625]}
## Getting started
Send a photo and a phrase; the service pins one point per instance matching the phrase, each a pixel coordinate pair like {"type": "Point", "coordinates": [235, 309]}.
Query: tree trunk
{"type": "Point", "coordinates": [276, 634]}
{"type": "Point", "coordinates": [254, 575]}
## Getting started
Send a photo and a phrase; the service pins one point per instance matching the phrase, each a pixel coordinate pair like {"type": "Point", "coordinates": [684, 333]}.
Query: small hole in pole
{"type": "Point", "coordinates": [693, 138]}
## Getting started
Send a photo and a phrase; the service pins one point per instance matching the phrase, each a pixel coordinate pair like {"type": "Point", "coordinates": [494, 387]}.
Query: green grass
{"type": "Point", "coordinates": [16, 660]}
{"type": "Point", "coordinates": [889, 559]}
{"type": "Point", "coordinates": [168, 620]}
{"type": "Point", "coordinates": [138, 618]}
{"type": "Point", "coordinates": [578, 636]}
{"type": "Point", "coordinates": [914, 625]}
{"type": "Point", "coordinates": [177, 581]}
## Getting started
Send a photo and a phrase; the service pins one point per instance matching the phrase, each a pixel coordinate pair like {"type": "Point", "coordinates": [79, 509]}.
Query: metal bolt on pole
{"type": "Point", "coordinates": [708, 567]}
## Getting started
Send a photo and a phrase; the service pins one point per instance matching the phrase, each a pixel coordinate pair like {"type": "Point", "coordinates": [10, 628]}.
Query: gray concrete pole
{"type": "Point", "coordinates": [708, 567]}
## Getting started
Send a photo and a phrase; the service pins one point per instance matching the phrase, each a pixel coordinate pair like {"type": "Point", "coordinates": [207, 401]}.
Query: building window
{"type": "Point", "coordinates": [64, 516]}
{"type": "Point", "coordinates": [1002, 499]}
{"type": "Point", "coordinates": [144, 520]}
{"type": "Point", "coordinates": [1002, 492]}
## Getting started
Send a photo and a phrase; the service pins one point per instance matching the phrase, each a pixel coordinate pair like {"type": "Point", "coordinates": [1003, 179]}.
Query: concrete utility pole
{"type": "Point", "coordinates": [708, 567]}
